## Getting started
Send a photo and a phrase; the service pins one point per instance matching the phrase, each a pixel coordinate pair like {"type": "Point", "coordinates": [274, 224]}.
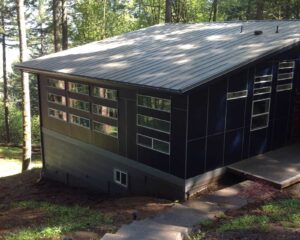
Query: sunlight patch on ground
{"type": "Point", "coordinates": [10, 167]}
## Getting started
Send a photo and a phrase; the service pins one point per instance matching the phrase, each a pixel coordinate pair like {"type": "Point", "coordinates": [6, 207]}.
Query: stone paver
{"type": "Point", "coordinates": [176, 223]}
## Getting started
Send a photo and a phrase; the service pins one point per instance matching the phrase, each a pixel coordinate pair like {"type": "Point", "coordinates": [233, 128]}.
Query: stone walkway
{"type": "Point", "coordinates": [176, 223]}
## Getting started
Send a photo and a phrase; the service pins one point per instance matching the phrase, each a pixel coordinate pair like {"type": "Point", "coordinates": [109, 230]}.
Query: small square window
{"type": "Point", "coordinates": [121, 177]}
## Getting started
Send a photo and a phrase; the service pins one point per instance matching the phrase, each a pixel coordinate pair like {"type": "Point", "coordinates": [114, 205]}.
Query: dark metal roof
{"type": "Point", "coordinates": [174, 57]}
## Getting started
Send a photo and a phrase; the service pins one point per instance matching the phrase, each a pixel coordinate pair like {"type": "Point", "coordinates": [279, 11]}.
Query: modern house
{"type": "Point", "coordinates": [163, 110]}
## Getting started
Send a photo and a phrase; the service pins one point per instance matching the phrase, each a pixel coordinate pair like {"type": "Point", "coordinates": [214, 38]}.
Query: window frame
{"type": "Point", "coordinates": [152, 143]}
{"type": "Point", "coordinates": [110, 89]}
{"type": "Point", "coordinates": [286, 78]}
{"type": "Point", "coordinates": [58, 80]}
{"type": "Point", "coordinates": [57, 117]}
{"type": "Point", "coordinates": [63, 97]}
{"type": "Point", "coordinates": [265, 87]}
{"type": "Point", "coordinates": [154, 129]}
{"type": "Point", "coordinates": [157, 109]}
{"type": "Point", "coordinates": [119, 182]}
{"type": "Point", "coordinates": [116, 137]}
{"type": "Point", "coordinates": [85, 94]}
{"type": "Point", "coordinates": [76, 124]}
{"type": "Point", "coordinates": [260, 114]}
{"type": "Point", "coordinates": [239, 97]}
{"type": "Point", "coordinates": [286, 61]}
{"type": "Point", "coordinates": [263, 76]}
{"type": "Point", "coordinates": [287, 89]}
{"type": "Point", "coordinates": [97, 114]}
{"type": "Point", "coordinates": [71, 99]}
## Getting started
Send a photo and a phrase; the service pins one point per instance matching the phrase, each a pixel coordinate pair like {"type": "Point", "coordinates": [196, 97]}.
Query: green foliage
{"type": "Point", "coordinates": [60, 220]}
{"type": "Point", "coordinates": [198, 236]}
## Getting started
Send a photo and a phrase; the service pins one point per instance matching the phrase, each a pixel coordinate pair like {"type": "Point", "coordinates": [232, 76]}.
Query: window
{"type": "Point", "coordinates": [55, 83]}
{"type": "Point", "coordinates": [80, 105]}
{"type": "Point", "coordinates": [106, 129]}
{"type": "Point", "coordinates": [263, 79]}
{"type": "Point", "coordinates": [284, 87]}
{"type": "Point", "coordinates": [154, 103]}
{"type": "Point", "coordinates": [262, 90]}
{"type": "Point", "coordinates": [105, 111]}
{"type": "Point", "coordinates": [106, 93]}
{"type": "Point", "coordinates": [237, 95]}
{"type": "Point", "coordinates": [58, 99]}
{"type": "Point", "coordinates": [153, 123]}
{"type": "Point", "coordinates": [154, 144]}
{"type": "Point", "coordinates": [121, 177]}
{"type": "Point", "coordinates": [80, 121]}
{"type": "Point", "coordinates": [286, 64]}
{"type": "Point", "coordinates": [79, 88]}
{"type": "Point", "coordinates": [61, 115]}
{"type": "Point", "coordinates": [285, 76]}
{"type": "Point", "coordinates": [260, 114]}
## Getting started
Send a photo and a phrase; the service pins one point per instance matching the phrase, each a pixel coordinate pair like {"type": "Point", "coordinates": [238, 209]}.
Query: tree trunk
{"type": "Point", "coordinates": [56, 25]}
{"type": "Point", "coordinates": [259, 10]}
{"type": "Point", "coordinates": [5, 95]}
{"type": "Point", "coordinates": [168, 16]}
{"type": "Point", "coordinates": [25, 88]}
{"type": "Point", "coordinates": [214, 11]}
{"type": "Point", "coordinates": [64, 20]}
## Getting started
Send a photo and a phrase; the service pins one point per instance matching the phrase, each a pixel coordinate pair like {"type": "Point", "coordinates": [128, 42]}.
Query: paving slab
{"type": "Point", "coordinates": [280, 167]}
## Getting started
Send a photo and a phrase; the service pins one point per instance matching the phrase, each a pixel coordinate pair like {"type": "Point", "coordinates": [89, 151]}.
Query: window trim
{"type": "Point", "coordinates": [152, 138]}
{"type": "Point", "coordinates": [115, 90]}
{"type": "Point", "coordinates": [60, 104]}
{"type": "Point", "coordinates": [69, 105]}
{"type": "Point", "coordinates": [233, 98]}
{"type": "Point", "coordinates": [115, 118]}
{"type": "Point", "coordinates": [85, 94]}
{"type": "Point", "coordinates": [76, 124]}
{"type": "Point", "coordinates": [282, 90]}
{"type": "Point", "coordinates": [154, 129]}
{"type": "Point", "coordinates": [116, 137]}
{"type": "Point", "coordinates": [267, 87]}
{"type": "Point", "coordinates": [115, 170]}
{"type": "Point", "coordinates": [268, 75]}
{"type": "Point", "coordinates": [57, 117]}
{"type": "Point", "coordinates": [287, 78]}
{"type": "Point", "coordinates": [142, 95]}
{"type": "Point", "coordinates": [56, 80]}
{"type": "Point", "coordinates": [260, 114]}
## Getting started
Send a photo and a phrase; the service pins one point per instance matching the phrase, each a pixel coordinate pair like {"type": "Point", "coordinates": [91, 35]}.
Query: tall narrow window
{"type": "Point", "coordinates": [79, 88]}
{"type": "Point", "coordinates": [58, 99]}
{"type": "Point", "coordinates": [105, 93]}
{"type": "Point", "coordinates": [156, 103]}
{"type": "Point", "coordinates": [260, 114]}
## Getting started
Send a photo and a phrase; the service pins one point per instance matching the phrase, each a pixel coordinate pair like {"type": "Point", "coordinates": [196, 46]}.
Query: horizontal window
{"type": "Point", "coordinates": [284, 87]}
{"type": "Point", "coordinates": [154, 144]}
{"type": "Point", "coordinates": [121, 177]}
{"type": "Point", "coordinates": [61, 115]}
{"type": "Point", "coordinates": [55, 83]}
{"type": "Point", "coordinates": [236, 95]}
{"type": "Point", "coordinates": [58, 99]}
{"type": "Point", "coordinates": [79, 88]}
{"type": "Point", "coordinates": [263, 79]}
{"type": "Point", "coordinates": [80, 105]}
{"type": "Point", "coordinates": [286, 64]}
{"type": "Point", "coordinates": [106, 129]}
{"type": "Point", "coordinates": [262, 90]}
{"type": "Point", "coordinates": [80, 121]}
{"type": "Point", "coordinates": [154, 103]}
{"type": "Point", "coordinates": [106, 93]}
{"type": "Point", "coordinates": [260, 114]}
{"type": "Point", "coordinates": [153, 123]}
{"type": "Point", "coordinates": [285, 76]}
{"type": "Point", "coordinates": [105, 111]}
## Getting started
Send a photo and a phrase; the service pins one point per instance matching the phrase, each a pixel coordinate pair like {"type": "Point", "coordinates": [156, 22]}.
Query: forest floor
{"type": "Point", "coordinates": [48, 210]}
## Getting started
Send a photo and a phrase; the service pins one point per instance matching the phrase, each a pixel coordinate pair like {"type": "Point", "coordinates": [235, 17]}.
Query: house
{"type": "Point", "coordinates": [163, 110]}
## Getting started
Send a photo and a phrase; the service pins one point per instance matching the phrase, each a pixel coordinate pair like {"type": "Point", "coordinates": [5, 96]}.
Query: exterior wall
{"type": "Point", "coordinates": [67, 162]}
{"type": "Point", "coordinates": [219, 131]}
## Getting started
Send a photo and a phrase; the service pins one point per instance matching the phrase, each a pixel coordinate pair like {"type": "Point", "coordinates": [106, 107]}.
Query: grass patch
{"type": "Point", "coordinates": [10, 153]}
{"type": "Point", "coordinates": [59, 220]}
{"type": "Point", "coordinates": [284, 212]}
